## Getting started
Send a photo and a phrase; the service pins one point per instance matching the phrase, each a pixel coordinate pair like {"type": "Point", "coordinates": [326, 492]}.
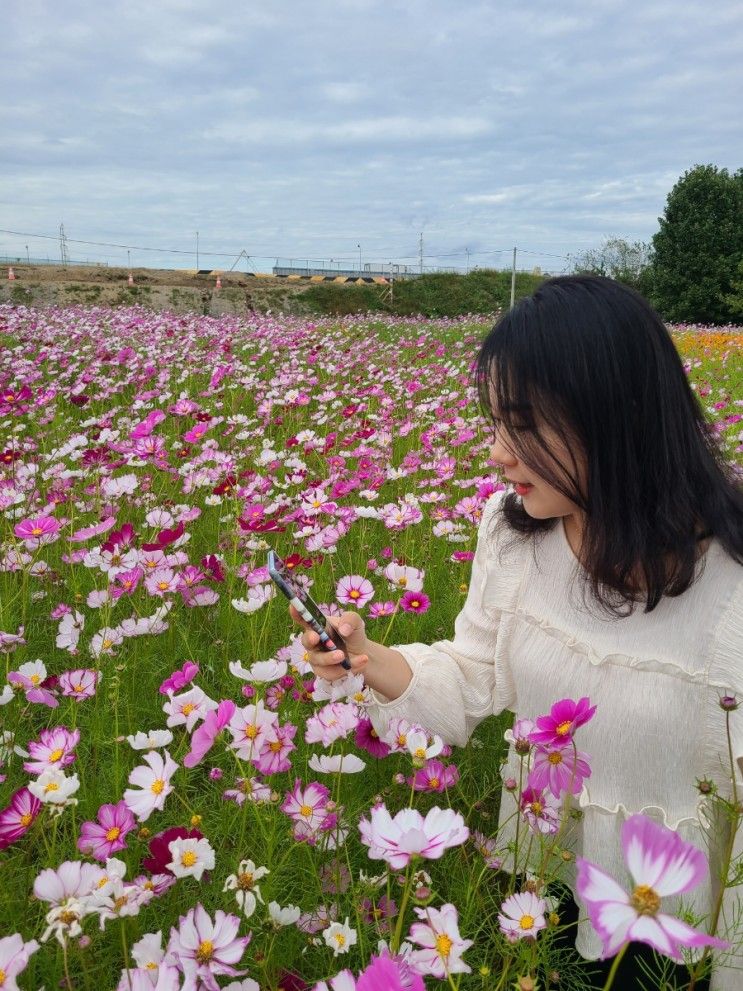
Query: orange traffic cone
{"type": "Point", "coordinates": [130, 280]}
{"type": "Point", "coordinates": [11, 274]}
{"type": "Point", "coordinates": [219, 283]}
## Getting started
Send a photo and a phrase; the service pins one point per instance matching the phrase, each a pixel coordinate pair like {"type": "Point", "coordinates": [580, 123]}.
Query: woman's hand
{"type": "Point", "coordinates": [327, 663]}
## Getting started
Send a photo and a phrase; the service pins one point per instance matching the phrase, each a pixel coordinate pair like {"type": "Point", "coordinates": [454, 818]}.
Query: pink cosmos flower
{"type": "Point", "coordinates": [104, 838]}
{"type": "Point", "coordinates": [14, 956]}
{"type": "Point", "coordinates": [565, 717]}
{"type": "Point", "coordinates": [203, 950]}
{"type": "Point", "coordinates": [126, 582]}
{"type": "Point", "coordinates": [441, 945]}
{"type": "Point", "coordinates": [54, 749]}
{"type": "Point", "coordinates": [79, 684]}
{"type": "Point", "coordinates": [188, 707]}
{"type": "Point", "coordinates": [434, 776]}
{"type": "Point", "coordinates": [382, 974]}
{"type": "Point", "coordinates": [93, 531]}
{"type": "Point", "coordinates": [522, 914]}
{"type": "Point", "coordinates": [661, 865]}
{"type": "Point", "coordinates": [273, 756]}
{"type": "Point", "coordinates": [308, 807]}
{"type": "Point", "coordinates": [333, 722]}
{"type": "Point", "coordinates": [354, 590]}
{"type": "Point", "coordinates": [18, 817]}
{"type": "Point", "coordinates": [541, 810]}
{"type": "Point", "coordinates": [179, 679]}
{"type": "Point", "coordinates": [40, 530]}
{"type": "Point", "coordinates": [415, 602]}
{"type": "Point", "coordinates": [560, 769]}
{"type": "Point", "coordinates": [397, 839]}
{"type": "Point", "coordinates": [249, 727]}
{"type": "Point", "coordinates": [377, 609]}
{"type": "Point", "coordinates": [203, 737]}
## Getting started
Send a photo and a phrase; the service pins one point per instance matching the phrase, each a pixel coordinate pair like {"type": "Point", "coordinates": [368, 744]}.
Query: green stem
{"type": "Point", "coordinates": [615, 967]}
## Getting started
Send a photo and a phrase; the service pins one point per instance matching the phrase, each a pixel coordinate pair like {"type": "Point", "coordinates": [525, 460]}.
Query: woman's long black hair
{"type": "Point", "coordinates": [592, 361]}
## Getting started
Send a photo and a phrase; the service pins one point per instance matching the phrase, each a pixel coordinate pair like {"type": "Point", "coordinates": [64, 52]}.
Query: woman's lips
{"type": "Point", "coordinates": [521, 488]}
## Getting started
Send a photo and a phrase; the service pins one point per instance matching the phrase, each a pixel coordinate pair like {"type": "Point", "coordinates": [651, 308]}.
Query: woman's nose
{"type": "Point", "coordinates": [501, 455]}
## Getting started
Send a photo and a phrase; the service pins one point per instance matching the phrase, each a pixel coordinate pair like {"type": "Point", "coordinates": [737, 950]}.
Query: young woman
{"type": "Point", "coordinates": [612, 570]}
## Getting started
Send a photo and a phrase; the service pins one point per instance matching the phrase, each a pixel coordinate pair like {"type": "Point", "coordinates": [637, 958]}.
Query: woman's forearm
{"type": "Point", "coordinates": [387, 671]}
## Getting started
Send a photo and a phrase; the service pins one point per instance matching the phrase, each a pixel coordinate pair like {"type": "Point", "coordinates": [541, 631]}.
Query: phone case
{"type": "Point", "coordinates": [307, 608]}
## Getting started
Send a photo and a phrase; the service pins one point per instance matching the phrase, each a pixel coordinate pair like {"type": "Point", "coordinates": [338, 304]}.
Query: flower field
{"type": "Point", "coordinates": [181, 805]}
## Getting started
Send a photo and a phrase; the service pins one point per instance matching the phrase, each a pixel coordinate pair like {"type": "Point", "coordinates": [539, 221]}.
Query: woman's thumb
{"type": "Point", "coordinates": [349, 624]}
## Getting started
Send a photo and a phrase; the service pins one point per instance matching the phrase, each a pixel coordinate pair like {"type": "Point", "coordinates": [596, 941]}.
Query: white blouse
{"type": "Point", "coordinates": [528, 636]}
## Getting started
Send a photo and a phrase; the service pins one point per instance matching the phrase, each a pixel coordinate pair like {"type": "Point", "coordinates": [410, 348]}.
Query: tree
{"type": "Point", "coordinates": [697, 251]}
{"type": "Point", "coordinates": [618, 259]}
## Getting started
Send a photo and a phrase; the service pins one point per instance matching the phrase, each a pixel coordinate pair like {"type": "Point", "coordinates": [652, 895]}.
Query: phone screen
{"type": "Point", "coordinates": [305, 605]}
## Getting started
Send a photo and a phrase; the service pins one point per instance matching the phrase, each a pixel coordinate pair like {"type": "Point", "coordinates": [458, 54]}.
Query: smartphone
{"type": "Point", "coordinates": [307, 608]}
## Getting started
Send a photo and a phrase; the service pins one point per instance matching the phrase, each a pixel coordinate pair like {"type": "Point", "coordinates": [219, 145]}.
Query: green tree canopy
{"type": "Point", "coordinates": [699, 247]}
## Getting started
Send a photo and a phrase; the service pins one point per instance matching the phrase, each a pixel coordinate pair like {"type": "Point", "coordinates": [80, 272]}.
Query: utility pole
{"type": "Point", "coordinates": [420, 253]}
{"type": "Point", "coordinates": [392, 284]}
{"type": "Point", "coordinates": [513, 279]}
{"type": "Point", "coordinates": [197, 251]}
{"type": "Point", "coordinates": [128, 260]}
{"type": "Point", "coordinates": [359, 247]}
{"type": "Point", "coordinates": [28, 257]}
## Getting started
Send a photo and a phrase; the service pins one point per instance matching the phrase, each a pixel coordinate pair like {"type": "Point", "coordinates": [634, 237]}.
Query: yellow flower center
{"type": "Point", "coordinates": [527, 921]}
{"type": "Point", "coordinates": [189, 858]}
{"type": "Point", "coordinates": [26, 819]}
{"type": "Point", "coordinates": [275, 746]}
{"type": "Point", "coordinates": [113, 834]}
{"type": "Point", "coordinates": [37, 531]}
{"type": "Point", "coordinates": [251, 731]}
{"type": "Point", "coordinates": [77, 688]}
{"type": "Point", "coordinates": [163, 586]}
{"type": "Point", "coordinates": [402, 582]}
{"type": "Point", "coordinates": [52, 786]}
{"type": "Point", "coordinates": [107, 644]}
{"type": "Point", "coordinates": [555, 757]}
{"type": "Point", "coordinates": [444, 944]}
{"type": "Point", "coordinates": [354, 593]}
{"type": "Point", "coordinates": [157, 786]}
{"type": "Point", "coordinates": [536, 808]}
{"type": "Point", "coordinates": [55, 755]}
{"type": "Point", "coordinates": [564, 728]}
{"type": "Point", "coordinates": [245, 881]}
{"type": "Point", "coordinates": [2, 978]}
{"type": "Point", "coordinates": [34, 679]}
{"type": "Point", "coordinates": [306, 811]}
{"type": "Point", "coordinates": [434, 782]}
{"type": "Point", "coordinates": [121, 901]}
{"type": "Point", "coordinates": [415, 603]}
{"type": "Point", "coordinates": [188, 708]}
{"type": "Point", "coordinates": [151, 965]}
{"type": "Point", "coordinates": [420, 753]}
{"type": "Point", "coordinates": [205, 951]}
{"type": "Point", "coordinates": [402, 740]}
{"type": "Point", "coordinates": [644, 900]}
{"type": "Point", "coordinates": [340, 939]}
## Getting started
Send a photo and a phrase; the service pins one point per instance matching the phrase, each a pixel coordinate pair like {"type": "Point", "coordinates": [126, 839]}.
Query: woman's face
{"type": "Point", "coordinates": [540, 499]}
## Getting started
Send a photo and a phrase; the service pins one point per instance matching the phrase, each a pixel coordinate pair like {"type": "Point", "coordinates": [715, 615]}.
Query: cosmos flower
{"type": "Point", "coordinates": [354, 590]}
{"type": "Point", "coordinates": [398, 839]}
{"type": "Point", "coordinates": [522, 914]}
{"type": "Point", "coordinates": [153, 784]}
{"type": "Point", "coordinates": [565, 716]}
{"type": "Point", "coordinates": [661, 865]}
{"type": "Point", "coordinates": [203, 949]}
{"type": "Point", "coordinates": [441, 944]}
{"type": "Point", "coordinates": [107, 836]}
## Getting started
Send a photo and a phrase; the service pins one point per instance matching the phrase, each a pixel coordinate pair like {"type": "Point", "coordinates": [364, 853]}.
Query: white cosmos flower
{"type": "Point", "coordinates": [347, 764]}
{"type": "Point", "coordinates": [262, 671]}
{"type": "Point", "coordinates": [245, 886]}
{"type": "Point", "coordinates": [53, 787]}
{"type": "Point", "coordinates": [69, 629]}
{"type": "Point", "coordinates": [286, 916]}
{"type": "Point", "coordinates": [123, 485]}
{"type": "Point", "coordinates": [418, 747]}
{"type": "Point", "coordinates": [340, 937]}
{"type": "Point", "coordinates": [6, 696]}
{"type": "Point", "coordinates": [150, 741]}
{"type": "Point", "coordinates": [191, 857]}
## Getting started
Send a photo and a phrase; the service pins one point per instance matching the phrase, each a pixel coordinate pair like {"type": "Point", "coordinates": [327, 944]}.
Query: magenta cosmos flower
{"type": "Point", "coordinates": [396, 840]}
{"type": "Point", "coordinates": [368, 739]}
{"type": "Point", "coordinates": [434, 776]}
{"type": "Point", "coordinates": [559, 769]}
{"type": "Point", "coordinates": [382, 974]}
{"type": "Point", "coordinates": [104, 838]}
{"type": "Point", "coordinates": [19, 816]}
{"type": "Point", "coordinates": [661, 865]}
{"type": "Point", "coordinates": [415, 602]}
{"type": "Point", "coordinates": [179, 679]}
{"type": "Point", "coordinates": [202, 949]}
{"type": "Point", "coordinates": [565, 717]}
{"type": "Point", "coordinates": [41, 528]}
{"type": "Point", "coordinates": [54, 749]}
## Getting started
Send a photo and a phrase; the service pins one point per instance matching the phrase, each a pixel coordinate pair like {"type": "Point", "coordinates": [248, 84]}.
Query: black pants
{"type": "Point", "coordinates": [637, 963]}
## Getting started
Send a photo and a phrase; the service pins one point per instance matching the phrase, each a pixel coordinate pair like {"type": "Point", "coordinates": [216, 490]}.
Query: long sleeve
{"type": "Point", "coordinates": [726, 678]}
{"type": "Point", "coordinates": [453, 682]}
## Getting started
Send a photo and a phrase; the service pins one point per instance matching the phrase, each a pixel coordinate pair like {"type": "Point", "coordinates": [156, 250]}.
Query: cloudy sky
{"type": "Point", "coordinates": [301, 130]}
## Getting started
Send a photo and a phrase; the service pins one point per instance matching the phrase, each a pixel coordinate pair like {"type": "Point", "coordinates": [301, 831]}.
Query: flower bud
{"type": "Point", "coordinates": [510, 784]}
{"type": "Point", "coordinates": [729, 703]}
